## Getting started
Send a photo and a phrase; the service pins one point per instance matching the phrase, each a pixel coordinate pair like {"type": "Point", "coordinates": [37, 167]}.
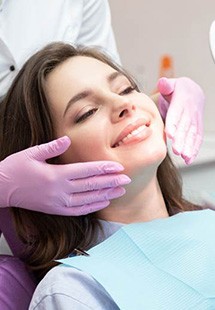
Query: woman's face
{"type": "Point", "coordinates": [105, 118]}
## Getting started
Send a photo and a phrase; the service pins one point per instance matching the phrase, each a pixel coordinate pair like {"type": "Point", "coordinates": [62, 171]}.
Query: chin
{"type": "Point", "coordinates": [140, 163]}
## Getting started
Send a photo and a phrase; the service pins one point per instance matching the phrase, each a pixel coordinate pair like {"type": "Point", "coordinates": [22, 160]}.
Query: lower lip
{"type": "Point", "coordinates": [141, 136]}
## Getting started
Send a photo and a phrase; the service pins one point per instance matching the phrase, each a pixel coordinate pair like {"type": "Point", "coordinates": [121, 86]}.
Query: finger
{"type": "Point", "coordinates": [79, 199]}
{"type": "Point", "coordinates": [163, 106]}
{"type": "Point", "coordinates": [81, 210]}
{"type": "Point", "coordinates": [89, 208]}
{"type": "Point", "coordinates": [50, 149]}
{"type": "Point", "coordinates": [180, 135]}
{"type": "Point", "coordinates": [99, 182]}
{"type": "Point", "coordinates": [166, 86]}
{"type": "Point", "coordinates": [88, 169]}
{"type": "Point", "coordinates": [174, 120]}
{"type": "Point", "coordinates": [189, 144]}
{"type": "Point", "coordinates": [194, 145]}
{"type": "Point", "coordinates": [199, 124]}
{"type": "Point", "coordinates": [196, 150]}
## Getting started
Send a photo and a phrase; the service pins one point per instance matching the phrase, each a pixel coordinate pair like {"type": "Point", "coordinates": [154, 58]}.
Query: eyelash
{"type": "Point", "coordinates": [86, 115]}
{"type": "Point", "coordinates": [126, 91]}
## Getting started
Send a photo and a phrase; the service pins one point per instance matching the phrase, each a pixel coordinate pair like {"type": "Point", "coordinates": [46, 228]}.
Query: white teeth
{"type": "Point", "coordinates": [127, 137]}
{"type": "Point", "coordinates": [134, 132]}
{"type": "Point", "coordinates": [131, 134]}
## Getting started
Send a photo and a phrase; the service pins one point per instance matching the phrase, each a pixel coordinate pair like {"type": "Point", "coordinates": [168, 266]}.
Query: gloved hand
{"type": "Point", "coordinates": [181, 104]}
{"type": "Point", "coordinates": [27, 181]}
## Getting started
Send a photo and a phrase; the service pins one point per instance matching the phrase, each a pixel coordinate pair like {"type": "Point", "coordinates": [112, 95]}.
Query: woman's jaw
{"type": "Point", "coordinates": [143, 200]}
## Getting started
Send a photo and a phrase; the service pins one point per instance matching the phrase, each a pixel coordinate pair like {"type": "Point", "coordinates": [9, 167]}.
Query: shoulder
{"type": "Point", "coordinates": [96, 28]}
{"type": "Point", "coordinates": [68, 287]}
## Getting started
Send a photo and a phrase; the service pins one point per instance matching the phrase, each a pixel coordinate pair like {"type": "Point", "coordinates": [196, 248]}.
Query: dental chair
{"type": "Point", "coordinates": [17, 284]}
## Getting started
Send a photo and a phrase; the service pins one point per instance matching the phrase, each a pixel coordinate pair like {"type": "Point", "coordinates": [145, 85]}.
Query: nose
{"type": "Point", "coordinates": [122, 107]}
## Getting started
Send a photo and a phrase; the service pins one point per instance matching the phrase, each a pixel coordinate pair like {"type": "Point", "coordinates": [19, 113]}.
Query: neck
{"type": "Point", "coordinates": [139, 204]}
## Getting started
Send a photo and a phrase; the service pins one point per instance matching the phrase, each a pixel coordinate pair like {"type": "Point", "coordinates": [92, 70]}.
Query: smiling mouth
{"type": "Point", "coordinates": [136, 135]}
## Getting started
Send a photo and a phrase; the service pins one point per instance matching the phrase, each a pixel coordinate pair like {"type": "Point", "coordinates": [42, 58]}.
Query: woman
{"type": "Point", "coordinates": [76, 92]}
{"type": "Point", "coordinates": [88, 23]}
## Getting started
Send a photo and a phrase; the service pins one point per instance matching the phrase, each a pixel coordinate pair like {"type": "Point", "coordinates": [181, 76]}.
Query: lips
{"type": "Point", "coordinates": [131, 132]}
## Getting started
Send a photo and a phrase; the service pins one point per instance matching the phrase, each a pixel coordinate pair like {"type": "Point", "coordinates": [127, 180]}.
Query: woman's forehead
{"type": "Point", "coordinates": [80, 69]}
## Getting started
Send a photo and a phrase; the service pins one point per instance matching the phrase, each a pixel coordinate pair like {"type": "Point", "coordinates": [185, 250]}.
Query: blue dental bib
{"type": "Point", "coordinates": [165, 264]}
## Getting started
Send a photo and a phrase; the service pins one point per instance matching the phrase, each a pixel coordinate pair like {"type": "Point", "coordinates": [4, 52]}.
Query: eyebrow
{"type": "Point", "coordinates": [86, 93]}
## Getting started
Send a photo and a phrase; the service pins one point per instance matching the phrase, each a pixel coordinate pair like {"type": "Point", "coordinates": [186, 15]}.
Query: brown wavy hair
{"type": "Point", "coordinates": [26, 121]}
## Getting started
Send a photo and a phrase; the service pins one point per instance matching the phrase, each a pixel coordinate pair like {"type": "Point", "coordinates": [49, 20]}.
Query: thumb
{"type": "Point", "coordinates": [48, 150]}
{"type": "Point", "coordinates": [163, 106]}
{"type": "Point", "coordinates": [166, 86]}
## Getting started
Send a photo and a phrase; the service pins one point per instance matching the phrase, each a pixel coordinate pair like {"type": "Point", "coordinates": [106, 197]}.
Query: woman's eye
{"type": "Point", "coordinates": [128, 90]}
{"type": "Point", "coordinates": [85, 115]}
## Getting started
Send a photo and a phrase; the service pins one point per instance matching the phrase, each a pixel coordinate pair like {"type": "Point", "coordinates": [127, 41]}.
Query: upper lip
{"type": "Point", "coordinates": [129, 128]}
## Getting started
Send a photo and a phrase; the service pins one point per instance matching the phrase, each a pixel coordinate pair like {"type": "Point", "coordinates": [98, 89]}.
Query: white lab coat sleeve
{"type": "Point", "coordinates": [96, 28]}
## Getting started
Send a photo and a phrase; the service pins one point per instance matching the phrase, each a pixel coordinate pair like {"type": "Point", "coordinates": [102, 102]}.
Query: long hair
{"type": "Point", "coordinates": [26, 121]}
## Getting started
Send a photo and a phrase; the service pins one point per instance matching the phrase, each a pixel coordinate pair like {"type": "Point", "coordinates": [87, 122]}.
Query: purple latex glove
{"type": "Point", "coordinates": [181, 104]}
{"type": "Point", "coordinates": [27, 181]}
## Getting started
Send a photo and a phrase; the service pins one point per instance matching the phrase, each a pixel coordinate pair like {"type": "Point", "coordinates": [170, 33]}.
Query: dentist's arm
{"type": "Point", "coordinates": [181, 104]}
{"type": "Point", "coordinates": [27, 181]}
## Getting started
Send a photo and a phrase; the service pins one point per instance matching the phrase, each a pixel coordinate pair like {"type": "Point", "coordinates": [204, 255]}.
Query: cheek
{"type": "Point", "coordinates": [85, 146]}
